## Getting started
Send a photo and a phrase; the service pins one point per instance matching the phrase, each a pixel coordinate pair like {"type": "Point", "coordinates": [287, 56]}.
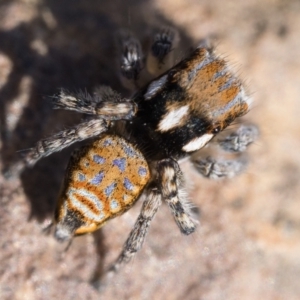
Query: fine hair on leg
{"type": "Point", "coordinates": [66, 138]}
{"type": "Point", "coordinates": [137, 236]}
{"type": "Point", "coordinates": [171, 186]}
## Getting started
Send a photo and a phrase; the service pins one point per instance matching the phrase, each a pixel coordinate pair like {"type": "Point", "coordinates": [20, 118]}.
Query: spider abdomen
{"type": "Point", "coordinates": [103, 180]}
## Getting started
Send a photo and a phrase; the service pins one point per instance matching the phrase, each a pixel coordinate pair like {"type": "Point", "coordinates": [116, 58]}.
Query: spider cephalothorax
{"type": "Point", "coordinates": [137, 142]}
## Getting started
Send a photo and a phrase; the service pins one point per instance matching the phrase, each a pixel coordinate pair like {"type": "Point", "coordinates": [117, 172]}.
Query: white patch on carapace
{"type": "Point", "coordinates": [83, 208]}
{"type": "Point", "coordinates": [173, 118]}
{"type": "Point", "coordinates": [155, 86]}
{"type": "Point", "coordinates": [197, 143]}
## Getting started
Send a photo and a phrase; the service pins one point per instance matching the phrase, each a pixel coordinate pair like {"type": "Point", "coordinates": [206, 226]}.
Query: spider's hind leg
{"type": "Point", "coordinates": [137, 236]}
{"type": "Point", "coordinates": [234, 144]}
{"type": "Point", "coordinates": [65, 138]}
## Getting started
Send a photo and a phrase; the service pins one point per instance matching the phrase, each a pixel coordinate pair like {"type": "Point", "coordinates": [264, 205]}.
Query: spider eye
{"type": "Point", "coordinates": [171, 73]}
{"type": "Point", "coordinates": [216, 130]}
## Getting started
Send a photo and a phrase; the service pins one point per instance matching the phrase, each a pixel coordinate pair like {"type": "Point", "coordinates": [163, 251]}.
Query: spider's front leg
{"type": "Point", "coordinates": [106, 105]}
{"type": "Point", "coordinates": [235, 143]}
{"type": "Point", "coordinates": [239, 140]}
{"type": "Point", "coordinates": [159, 59]}
{"type": "Point", "coordinates": [171, 185]}
{"type": "Point", "coordinates": [130, 57]}
{"type": "Point", "coordinates": [161, 55]}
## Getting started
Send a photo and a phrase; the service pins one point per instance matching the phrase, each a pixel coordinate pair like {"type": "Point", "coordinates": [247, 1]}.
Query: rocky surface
{"type": "Point", "coordinates": [248, 244]}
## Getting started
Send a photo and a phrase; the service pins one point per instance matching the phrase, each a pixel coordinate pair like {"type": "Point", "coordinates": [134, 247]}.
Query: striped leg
{"type": "Point", "coordinates": [105, 102]}
{"type": "Point", "coordinates": [66, 138]}
{"type": "Point", "coordinates": [171, 185]}
{"type": "Point", "coordinates": [138, 233]}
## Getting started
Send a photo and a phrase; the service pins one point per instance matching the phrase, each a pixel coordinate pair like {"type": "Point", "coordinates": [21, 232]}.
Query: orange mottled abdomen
{"type": "Point", "coordinates": [103, 180]}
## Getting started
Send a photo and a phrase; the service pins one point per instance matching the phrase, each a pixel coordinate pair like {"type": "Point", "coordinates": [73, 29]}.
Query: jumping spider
{"type": "Point", "coordinates": [137, 142]}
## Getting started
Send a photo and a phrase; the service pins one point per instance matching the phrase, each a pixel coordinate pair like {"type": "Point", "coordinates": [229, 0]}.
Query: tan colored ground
{"type": "Point", "coordinates": [248, 245]}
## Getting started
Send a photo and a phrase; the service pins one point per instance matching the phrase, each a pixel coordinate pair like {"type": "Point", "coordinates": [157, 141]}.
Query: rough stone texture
{"type": "Point", "coordinates": [248, 244]}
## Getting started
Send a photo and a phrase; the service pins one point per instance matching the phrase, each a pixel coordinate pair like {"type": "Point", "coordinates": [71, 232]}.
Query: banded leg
{"type": "Point", "coordinates": [65, 138]}
{"type": "Point", "coordinates": [161, 57]}
{"type": "Point", "coordinates": [171, 185]}
{"type": "Point", "coordinates": [105, 103]}
{"type": "Point", "coordinates": [138, 234]}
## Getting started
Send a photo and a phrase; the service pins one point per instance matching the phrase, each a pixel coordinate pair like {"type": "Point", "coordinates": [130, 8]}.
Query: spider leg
{"type": "Point", "coordinates": [235, 143]}
{"type": "Point", "coordinates": [161, 55]}
{"type": "Point", "coordinates": [220, 168]}
{"type": "Point", "coordinates": [137, 235]}
{"type": "Point", "coordinates": [65, 138]}
{"type": "Point", "coordinates": [130, 58]}
{"type": "Point", "coordinates": [105, 103]}
{"type": "Point", "coordinates": [170, 179]}
{"type": "Point", "coordinates": [239, 140]}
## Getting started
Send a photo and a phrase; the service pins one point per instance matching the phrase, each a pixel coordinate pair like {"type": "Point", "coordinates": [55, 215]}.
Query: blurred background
{"type": "Point", "coordinates": [248, 244]}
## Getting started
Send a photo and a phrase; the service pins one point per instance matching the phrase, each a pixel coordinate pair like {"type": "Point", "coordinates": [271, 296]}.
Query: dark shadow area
{"type": "Point", "coordinates": [101, 249]}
